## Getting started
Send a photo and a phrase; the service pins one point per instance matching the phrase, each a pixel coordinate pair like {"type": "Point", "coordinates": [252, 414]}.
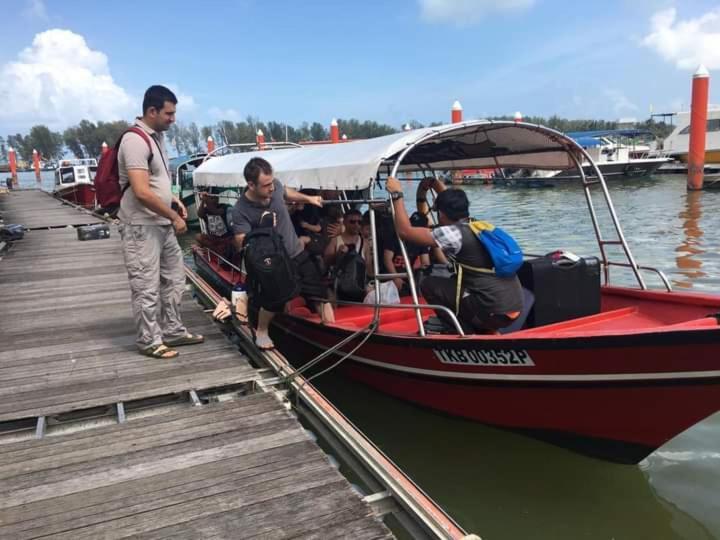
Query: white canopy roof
{"type": "Point", "coordinates": [469, 145]}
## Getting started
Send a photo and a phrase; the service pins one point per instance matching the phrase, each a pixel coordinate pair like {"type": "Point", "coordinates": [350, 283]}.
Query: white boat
{"type": "Point", "coordinates": [74, 181]}
{"type": "Point", "coordinates": [613, 156]}
{"type": "Point", "coordinates": [677, 143]}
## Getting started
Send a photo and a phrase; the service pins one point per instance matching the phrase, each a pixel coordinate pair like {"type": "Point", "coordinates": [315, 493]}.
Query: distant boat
{"type": "Point", "coordinates": [676, 144]}
{"type": "Point", "coordinates": [74, 181]}
{"type": "Point", "coordinates": [613, 157]}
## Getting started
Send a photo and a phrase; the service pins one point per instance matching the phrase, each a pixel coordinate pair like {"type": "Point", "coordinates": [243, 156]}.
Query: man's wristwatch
{"type": "Point", "coordinates": [395, 195]}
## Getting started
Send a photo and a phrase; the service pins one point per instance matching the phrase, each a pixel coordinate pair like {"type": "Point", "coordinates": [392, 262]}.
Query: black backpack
{"type": "Point", "coordinates": [271, 273]}
{"type": "Point", "coordinates": [350, 276]}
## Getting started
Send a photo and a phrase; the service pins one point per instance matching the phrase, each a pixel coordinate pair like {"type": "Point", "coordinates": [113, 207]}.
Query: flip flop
{"type": "Point", "coordinates": [162, 352]}
{"type": "Point", "coordinates": [187, 339]}
{"type": "Point", "coordinates": [264, 343]}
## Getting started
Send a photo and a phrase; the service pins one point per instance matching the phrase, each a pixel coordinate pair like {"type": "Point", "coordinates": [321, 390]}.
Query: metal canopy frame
{"type": "Point", "coordinates": [393, 165]}
{"type": "Point", "coordinates": [577, 154]}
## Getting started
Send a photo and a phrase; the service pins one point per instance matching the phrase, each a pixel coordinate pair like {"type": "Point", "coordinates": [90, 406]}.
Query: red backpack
{"type": "Point", "coordinates": [107, 178]}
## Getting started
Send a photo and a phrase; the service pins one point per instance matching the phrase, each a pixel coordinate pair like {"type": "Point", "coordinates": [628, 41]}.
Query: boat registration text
{"type": "Point", "coordinates": [494, 357]}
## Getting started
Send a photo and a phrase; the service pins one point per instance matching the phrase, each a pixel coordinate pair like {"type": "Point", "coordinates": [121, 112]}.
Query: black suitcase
{"type": "Point", "coordinates": [563, 290]}
{"type": "Point", "coordinates": [93, 232]}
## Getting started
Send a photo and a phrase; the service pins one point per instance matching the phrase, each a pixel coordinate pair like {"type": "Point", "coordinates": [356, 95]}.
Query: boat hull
{"type": "Point", "coordinates": [598, 406]}
{"type": "Point", "coordinates": [632, 169]}
{"type": "Point", "coordinates": [80, 194]}
{"type": "Point", "coordinates": [617, 395]}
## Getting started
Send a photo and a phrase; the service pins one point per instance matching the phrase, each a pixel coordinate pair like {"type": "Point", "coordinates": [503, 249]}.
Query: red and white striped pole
{"type": "Point", "coordinates": [13, 166]}
{"type": "Point", "coordinates": [36, 164]}
{"type": "Point", "coordinates": [456, 113]}
{"type": "Point", "coordinates": [334, 131]}
{"type": "Point", "coordinates": [517, 117]}
{"type": "Point", "coordinates": [698, 128]}
{"type": "Point", "coordinates": [210, 145]}
{"type": "Point", "coordinates": [260, 139]}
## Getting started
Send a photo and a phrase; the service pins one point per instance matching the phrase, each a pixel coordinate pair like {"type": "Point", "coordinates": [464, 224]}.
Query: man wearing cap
{"type": "Point", "coordinates": [487, 302]}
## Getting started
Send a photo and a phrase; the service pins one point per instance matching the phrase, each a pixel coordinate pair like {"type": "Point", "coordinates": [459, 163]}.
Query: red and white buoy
{"type": "Point", "coordinates": [36, 164]}
{"type": "Point", "coordinates": [210, 145]}
{"type": "Point", "coordinates": [517, 117]}
{"type": "Point", "coordinates": [344, 137]}
{"type": "Point", "coordinates": [103, 149]}
{"type": "Point", "coordinates": [698, 128]}
{"type": "Point", "coordinates": [13, 166]}
{"type": "Point", "coordinates": [260, 139]}
{"type": "Point", "coordinates": [456, 112]}
{"type": "Point", "coordinates": [334, 131]}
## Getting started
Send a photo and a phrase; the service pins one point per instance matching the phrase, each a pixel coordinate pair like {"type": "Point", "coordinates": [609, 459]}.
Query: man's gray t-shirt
{"type": "Point", "coordinates": [134, 153]}
{"type": "Point", "coordinates": [246, 216]}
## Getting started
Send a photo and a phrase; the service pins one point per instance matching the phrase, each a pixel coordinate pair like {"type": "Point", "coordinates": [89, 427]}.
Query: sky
{"type": "Point", "coordinates": [391, 61]}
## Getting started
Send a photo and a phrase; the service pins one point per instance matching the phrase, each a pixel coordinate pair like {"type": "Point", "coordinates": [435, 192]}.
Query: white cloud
{"type": "Point", "coordinates": [216, 113]}
{"type": "Point", "coordinates": [36, 10]}
{"type": "Point", "coordinates": [58, 81]}
{"type": "Point", "coordinates": [463, 12]}
{"type": "Point", "coordinates": [620, 102]}
{"type": "Point", "coordinates": [186, 103]}
{"type": "Point", "coordinates": [687, 43]}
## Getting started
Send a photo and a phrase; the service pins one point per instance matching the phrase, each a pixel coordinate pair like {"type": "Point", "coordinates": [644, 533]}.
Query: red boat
{"type": "Point", "coordinates": [74, 181]}
{"type": "Point", "coordinates": [624, 373]}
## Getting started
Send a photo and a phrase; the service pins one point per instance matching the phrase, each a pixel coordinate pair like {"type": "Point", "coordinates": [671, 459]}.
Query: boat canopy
{"type": "Point", "coordinates": [354, 165]}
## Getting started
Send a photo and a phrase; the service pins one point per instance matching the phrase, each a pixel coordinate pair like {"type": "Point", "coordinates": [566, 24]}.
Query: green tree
{"type": "Point", "coordinates": [85, 140]}
{"type": "Point", "coordinates": [22, 146]}
{"type": "Point", "coordinates": [318, 132]}
{"type": "Point", "coordinates": [48, 143]}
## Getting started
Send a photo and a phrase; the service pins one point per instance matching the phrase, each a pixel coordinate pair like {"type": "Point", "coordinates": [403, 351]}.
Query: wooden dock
{"type": "Point", "coordinates": [97, 441]}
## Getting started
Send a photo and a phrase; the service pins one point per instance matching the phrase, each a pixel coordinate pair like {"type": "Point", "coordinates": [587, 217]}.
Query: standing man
{"type": "Point", "coordinates": [148, 225]}
{"type": "Point", "coordinates": [264, 195]}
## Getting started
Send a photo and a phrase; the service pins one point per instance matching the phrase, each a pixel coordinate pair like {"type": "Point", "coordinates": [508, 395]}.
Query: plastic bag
{"type": "Point", "coordinates": [388, 294]}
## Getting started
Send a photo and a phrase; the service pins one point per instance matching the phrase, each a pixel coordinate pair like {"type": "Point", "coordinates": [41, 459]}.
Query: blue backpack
{"type": "Point", "coordinates": [506, 255]}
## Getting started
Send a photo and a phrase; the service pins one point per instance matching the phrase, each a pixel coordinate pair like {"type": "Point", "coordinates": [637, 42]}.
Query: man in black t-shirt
{"type": "Point", "coordinates": [266, 194]}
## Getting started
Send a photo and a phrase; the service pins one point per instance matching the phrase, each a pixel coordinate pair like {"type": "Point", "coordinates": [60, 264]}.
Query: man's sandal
{"type": "Point", "coordinates": [187, 339]}
{"type": "Point", "coordinates": [162, 351]}
{"type": "Point", "coordinates": [264, 343]}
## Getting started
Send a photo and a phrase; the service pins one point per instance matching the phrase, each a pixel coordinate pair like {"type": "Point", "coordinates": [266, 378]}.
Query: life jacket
{"type": "Point", "coordinates": [108, 192]}
{"type": "Point", "coordinates": [271, 273]}
{"type": "Point", "coordinates": [475, 266]}
{"type": "Point", "coordinates": [351, 274]}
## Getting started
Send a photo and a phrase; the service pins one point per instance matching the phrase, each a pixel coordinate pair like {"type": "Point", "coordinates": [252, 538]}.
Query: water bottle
{"type": "Point", "coordinates": [239, 300]}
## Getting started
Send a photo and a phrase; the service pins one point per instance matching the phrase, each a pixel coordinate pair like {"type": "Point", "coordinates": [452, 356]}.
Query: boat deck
{"type": "Point", "coordinates": [97, 441]}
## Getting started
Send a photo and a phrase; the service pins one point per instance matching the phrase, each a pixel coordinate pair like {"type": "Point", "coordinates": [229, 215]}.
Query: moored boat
{"type": "Point", "coordinates": [74, 181]}
{"type": "Point", "coordinates": [617, 375]}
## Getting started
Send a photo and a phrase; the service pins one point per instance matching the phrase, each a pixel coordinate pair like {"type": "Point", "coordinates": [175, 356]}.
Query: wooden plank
{"type": "Point", "coordinates": [161, 438]}
{"type": "Point", "coordinates": [166, 490]}
{"type": "Point", "coordinates": [166, 423]}
{"type": "Point", "coordinates": [74, 479]}
{"type": "Point", "coordinates": [84, 397]}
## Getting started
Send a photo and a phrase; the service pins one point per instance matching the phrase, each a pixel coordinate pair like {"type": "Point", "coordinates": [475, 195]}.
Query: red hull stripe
{"type": "Point", "coordinates": [600, 377]}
